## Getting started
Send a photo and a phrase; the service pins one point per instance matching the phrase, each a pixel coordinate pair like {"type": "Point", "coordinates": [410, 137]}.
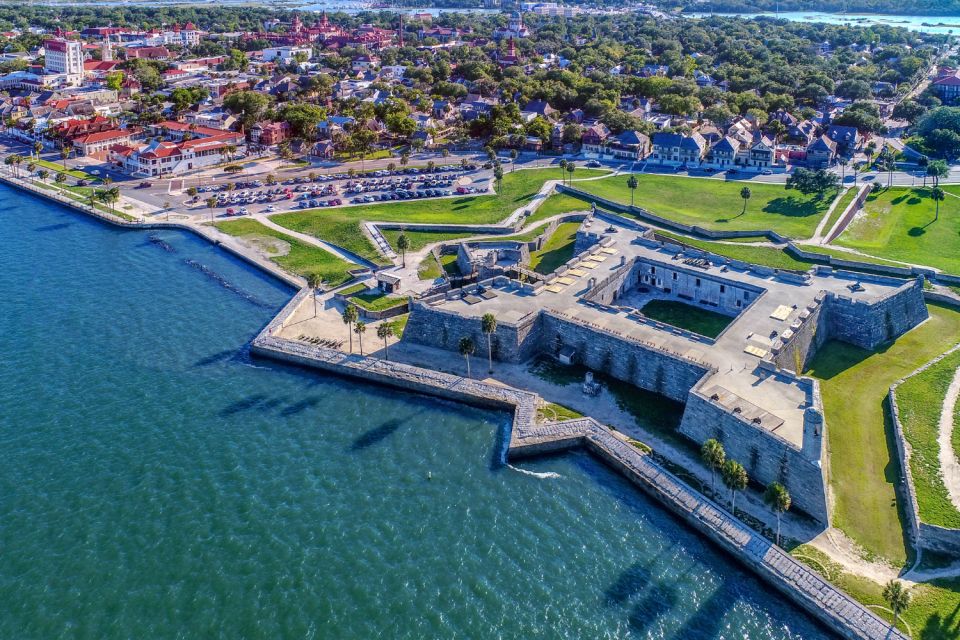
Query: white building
{"type": "Point", "coordinates": [285, 55]}
{"type": "Point", "coordinates": [64, 57]}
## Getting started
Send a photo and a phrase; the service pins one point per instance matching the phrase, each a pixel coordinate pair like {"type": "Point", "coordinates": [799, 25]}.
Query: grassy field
{"type": "Point", "coordinates": [920, 400]}
{"type": "Point", "coordinates": [898, 223]}
{"type": "Point", "coordinates": [556, 204]}
{"type": "Point", "coordinates": [764, 256]}
{"type": "Point", "coordinates": [863, 466]}
{"type": "Point", "coordinates": [556, 250]}
{"type": "Point", "coordinates": [375, 300]}
{"type": "Point", "coordinates": [341, 226]}
{"type": "Point", "coordinates": [684, 316]}
{"type": "Point", "coordinates": [56, 167]}
{"type": "Point", "coordinates": [846, 255]}
{"type": "Point", "coordinates": [302, 259]}
{"type": "Point", "coordinates": [716, 204]}
{"type": "Point", "coordinates": [420, 239]}
{"type": "Point", "coordinates": [429, 268]}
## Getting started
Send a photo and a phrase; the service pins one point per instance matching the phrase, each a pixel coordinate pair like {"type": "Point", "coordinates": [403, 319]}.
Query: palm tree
{"type": "Point", "coordinates": [466, 348]}
{"type": "Point", "coordinates": [350, 315]}
{"type": "Point", "coordinates": [488, 324]}
{"type": "Point", "coordinates": [37, 148]}
{"type": "Point", "coordinates": [385, 330]}
{"type": "Point", "coordinates": [403, 243]}
{"type": "Point", "coordinates": [31, 167]}
{"type": "Point", "coordinates": [632, 184]}
{"type": "Point", "coordinates": [42, 174]}
{"type": "Point", "coordinates": [897, 597]}
{"type": "Point", "coordinates": [498, 176]}
{"type": "Point", "coordinates": [17, 161]}
{"type": "Point", "coordinates": [777, 498]}
{"type": "Point", "coordinates": [571, 167]}
{"type": "Point", "coordinates": [843, 162]}
{"type": "Point", "coordinates": [745, 194]}
{"type": "Point", "coordinates": [359, 329]}
{"type": "Point", "coordinates": [314, 281]}
{"type": "Point", "coordinates": [735, 478]}
{"type": "Point", "coordinates": [937, 169]}
{"type": "Point", "coordinates": [64, 154]}
{"type": "Point", "coordinates": [404, 159]}
{"type": "Point", "coordinates": [713, 455]}
{"type": "Point", "coordinates": [513, 158]}
{"type": "Point", "coordinates": [563, 171]}
{"type": "Point", "coordinates": [937, 194]}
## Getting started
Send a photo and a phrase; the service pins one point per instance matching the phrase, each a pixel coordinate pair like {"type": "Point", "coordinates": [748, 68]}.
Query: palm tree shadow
{"type": "Point", "coordinates": [376, 435]}
{"type": "Point", "coordinates": [937, 628]}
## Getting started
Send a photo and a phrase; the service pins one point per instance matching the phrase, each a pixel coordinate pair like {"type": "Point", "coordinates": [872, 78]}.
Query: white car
{"type": "Point", "coordinates": [270, 209]}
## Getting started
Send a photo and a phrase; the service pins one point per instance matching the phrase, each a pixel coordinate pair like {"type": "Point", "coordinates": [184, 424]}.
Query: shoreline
{"type": "Point", "coordinates": [824, 602]}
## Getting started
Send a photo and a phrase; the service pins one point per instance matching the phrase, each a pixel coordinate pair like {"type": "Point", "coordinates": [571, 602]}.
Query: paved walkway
{"type": "Point", "coordinates": [949, 466]}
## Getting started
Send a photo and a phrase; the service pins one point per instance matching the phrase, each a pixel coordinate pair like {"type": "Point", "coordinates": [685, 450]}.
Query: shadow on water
{"type": "Point", "coordinates": [376, 435]}
{"type": "Point", "coordinates": [259, 403]}
{"type": "Point", "coordinates": [215, 358]}
{"type": "Point", "coordinates": [299, 407]}
{"type": "Point", "coordinates": [629, 583]}
{"type": "Point", "coordinates": [54, 227]}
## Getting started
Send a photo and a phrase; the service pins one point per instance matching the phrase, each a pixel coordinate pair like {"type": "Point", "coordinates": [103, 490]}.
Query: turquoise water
{"type": "Point", "coordinates": [158, 483]}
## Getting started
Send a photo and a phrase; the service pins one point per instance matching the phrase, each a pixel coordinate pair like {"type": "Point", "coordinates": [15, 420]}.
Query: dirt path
{"type": "Point", "coordinates": [949, 466]}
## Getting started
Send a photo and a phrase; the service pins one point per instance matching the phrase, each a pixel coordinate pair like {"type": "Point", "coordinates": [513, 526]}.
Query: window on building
{"type": "Point", "coordinates": [723, 288]}
{"type": "Point", "coordinates": [698, 282]}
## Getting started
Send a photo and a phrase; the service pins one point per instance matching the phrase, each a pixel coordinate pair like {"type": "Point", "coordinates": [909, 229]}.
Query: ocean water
{"type": "Point", "coordinates": [157, 482]}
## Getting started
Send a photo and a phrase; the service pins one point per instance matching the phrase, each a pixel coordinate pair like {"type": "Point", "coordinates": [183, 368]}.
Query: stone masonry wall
{"type": "Point", "coordinates": [444, 329]}
{"type": "Point", "coordinates": [870, 325]}
{"type": "Point", "coordinates": [639, 364]}
{"type": "Point", "coordinates": [767, 457]}
{"type": "Point", "coordinates": [808, 336]}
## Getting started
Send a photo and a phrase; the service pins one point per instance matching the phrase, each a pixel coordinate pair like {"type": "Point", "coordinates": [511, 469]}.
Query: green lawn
{"type": "Point", "coordinates": [716, 204]}
{"type": "Point", "coordinates": [302, 259]}
{"type": "Point", "coordinates": [556, 250]}
{"type": "Point", "coordinates": [764, 256]}
{"type": "Point", "coordinates": [556, 204]}
{"type": "Point", "coordinates": [920, 400]}
{"type": "Point", "coordinates": [56, 167]}
{"type": "Point", "coordinates": [898, 223]}
{"type": "Point", "coordinates": [429, 268]}
{"type": "Point", "coordinates": [684, 316]}
{"type": "Point", "coordinates": [863, 466]}
{"type": "Point", "coordinates": [448, 261]}
{"type": "Point", "coordinates": [376, 300]}
{"type": "Point", "coordinates": [420, 239]}
{"type": "Point", "coordinates": [341, 226]}
{"type": "Point", "coordinates": [846, 255]}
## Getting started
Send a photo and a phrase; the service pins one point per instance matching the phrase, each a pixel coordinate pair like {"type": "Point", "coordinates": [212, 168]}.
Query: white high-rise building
{"type": "Point", "coordinates": [63, 56]}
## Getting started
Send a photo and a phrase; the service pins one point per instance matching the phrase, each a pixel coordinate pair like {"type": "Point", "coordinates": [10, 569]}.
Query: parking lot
{"type": "Point", "coordinates": [339, 189]}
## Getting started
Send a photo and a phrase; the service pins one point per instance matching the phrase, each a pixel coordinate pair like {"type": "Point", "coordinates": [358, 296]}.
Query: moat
{"type": "Point", "coordinates": [160, 480]}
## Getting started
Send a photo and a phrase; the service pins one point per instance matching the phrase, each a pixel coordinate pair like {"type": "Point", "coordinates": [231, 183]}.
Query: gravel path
{"type": "Point", "coordinates": [949, 466]}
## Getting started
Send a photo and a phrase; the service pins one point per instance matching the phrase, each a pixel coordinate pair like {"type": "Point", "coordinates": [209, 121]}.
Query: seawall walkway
{"type": "Point", "coordinates": [818, 597]}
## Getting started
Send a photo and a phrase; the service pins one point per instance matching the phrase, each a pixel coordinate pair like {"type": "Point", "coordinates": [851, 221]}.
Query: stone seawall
{"type": "Point", "coordinates": [807, 589]}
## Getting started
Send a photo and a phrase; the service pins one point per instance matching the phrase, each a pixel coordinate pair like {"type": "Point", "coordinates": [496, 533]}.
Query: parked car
{"type": "Point", "coordinates": [144, 185]}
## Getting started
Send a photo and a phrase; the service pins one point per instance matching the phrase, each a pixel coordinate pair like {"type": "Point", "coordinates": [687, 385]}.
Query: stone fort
{"type": "Point", "coordinates": [742, 386]}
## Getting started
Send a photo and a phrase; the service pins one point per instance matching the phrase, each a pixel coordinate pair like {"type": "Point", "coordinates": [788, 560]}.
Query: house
{"type": "Point", "coordinates": [541, 108]}
{"type": "Point", "coordinates": [762, 154]}
{"type": "Point", "coordinates": [162, 158]}
{"type": "Point", "coordinates": [847, 138]}
{"type": "Point", "coordinates": [723, 155]}
{"type": "Point", "coordinates": [323, 149]}
{"type": "Point", "coordinates": [594, 136]}
{"type": "Point", "coordinates": [821, 153]}
{"type": "Point", "coordinates": [947, 87]}
{"type": "Point", "coordinates": [674, 149]}
{"type": "Point", "coordinates": [270, 134]}
{"type": "Point", "coordinates": [148, 53]}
